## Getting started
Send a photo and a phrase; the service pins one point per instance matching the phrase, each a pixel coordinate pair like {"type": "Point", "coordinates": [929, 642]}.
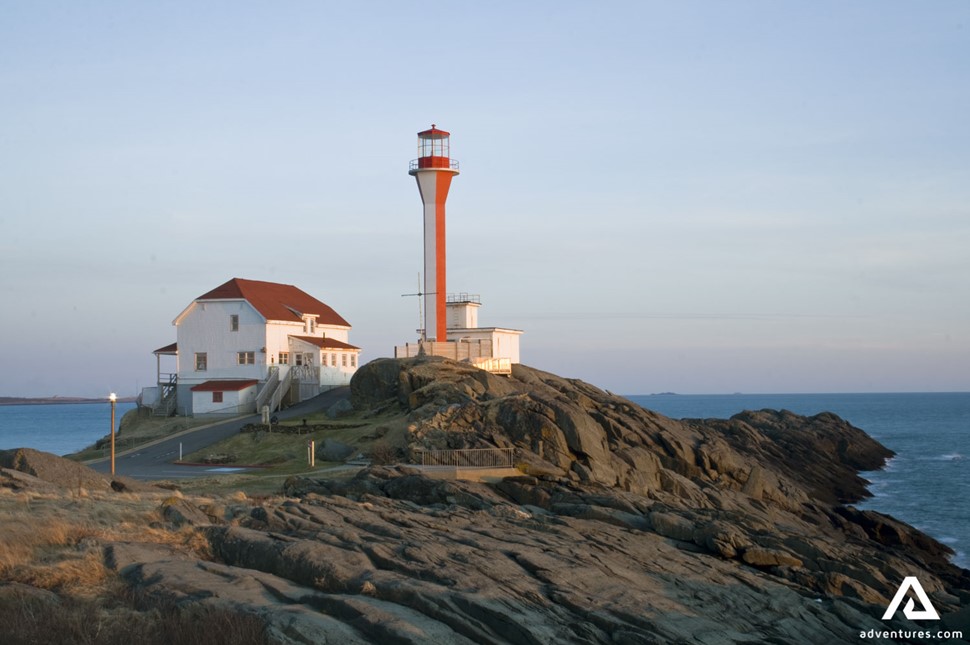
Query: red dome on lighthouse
{"type": "Point", "coordinates": [434, 150]}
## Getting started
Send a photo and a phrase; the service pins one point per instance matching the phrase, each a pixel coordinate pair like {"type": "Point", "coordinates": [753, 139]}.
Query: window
{"type": "Point", "coordinates": [234, 322]}
{"type": "Point", "coordinates": [333, 360]}
{"type": "Point", "coordinates": [353, 360]}
{"type": "Point", "coordinates": [200, 362]}
{"type": "Point", "coordinates": [284, 358]}
{"type": "Point", "coordinates": [245, 358]}
{"type": "Point", "coordinates": [217, 397]}
{"type": "Point", "coordinates": [299, 359]}
{"type": "Point", "coordinates": [313, 325]}
{"type": "Point", "coordinates": [343, 360]}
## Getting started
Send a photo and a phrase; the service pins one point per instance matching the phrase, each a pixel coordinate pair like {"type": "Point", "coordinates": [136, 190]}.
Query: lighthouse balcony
{"type": "Point", "coordinates": [433, 162]}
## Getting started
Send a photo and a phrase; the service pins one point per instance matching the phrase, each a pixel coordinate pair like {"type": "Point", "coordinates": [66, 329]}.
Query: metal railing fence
{"type": "Point", "coordinates": [470, 458]}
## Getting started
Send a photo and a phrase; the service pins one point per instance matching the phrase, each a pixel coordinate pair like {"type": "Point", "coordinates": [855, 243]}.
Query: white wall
{"type": "Point", "coordinates": [277, 339]}
{"type": "Point", "coordinates": [505, 342]}
{"type": "Point", "coordinates": [205, 328]}
{"type": "Point", "coordinates": [233, 402]}
{"type": "Point", "coordinates": [330, 375]}
{"type": "Point", "coordinates": [462, 315]}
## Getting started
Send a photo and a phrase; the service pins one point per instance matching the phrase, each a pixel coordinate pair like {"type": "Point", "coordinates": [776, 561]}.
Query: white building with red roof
{"type": "Point", "coordinates": [248, 344]}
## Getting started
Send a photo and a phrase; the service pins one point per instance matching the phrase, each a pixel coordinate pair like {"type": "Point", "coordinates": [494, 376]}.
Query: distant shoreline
{"type": "Point", "coordinates": [56, 400]}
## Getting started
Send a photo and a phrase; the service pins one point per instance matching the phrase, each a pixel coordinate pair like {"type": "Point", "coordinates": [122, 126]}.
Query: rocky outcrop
{"type": "Point", "coordinates": [51, 469]}
{"type": "Point", "coordinates": [392, 556]}
{"type": "Point", "coordinates": [766, 488]}
{"type": "Point", "coordinates": [624, 527]}
{"type": "Point", "coordinates": [579, 431]}
{"type": "Point", "coordinates": [43, 469]}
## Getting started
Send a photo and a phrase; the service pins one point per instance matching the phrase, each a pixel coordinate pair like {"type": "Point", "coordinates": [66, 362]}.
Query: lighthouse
{"type": "Point", "coordinates": [451, 321]}
{"type": "Point", "coordinates": [433, 170]}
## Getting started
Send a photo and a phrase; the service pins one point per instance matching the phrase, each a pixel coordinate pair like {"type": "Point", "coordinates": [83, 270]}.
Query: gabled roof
{"type": "Point", "coordinates": [226, 385]}
{"type": "Point", "coordinates": [325, 343]}
{"type": "Point", "coordinates": [168, 349]}
{"type": "Point", "coordinates": [276, 301]}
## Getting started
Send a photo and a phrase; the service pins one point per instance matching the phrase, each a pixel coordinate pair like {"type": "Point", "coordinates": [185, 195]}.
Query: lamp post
{"type": "Point", "coordinates": [113, 398]}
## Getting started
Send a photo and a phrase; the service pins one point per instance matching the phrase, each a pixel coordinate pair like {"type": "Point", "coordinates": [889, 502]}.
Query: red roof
{"type": "Point", "coordinates": [325, 343]}
{"type": "Point", "coordinates": [433, 133]}
{"type": "Point", "coordinates": [224, 386]}
{"type": "Point", "coordinates": [276, 301]}
{"type": "Point", "coordinates": [168, 349]}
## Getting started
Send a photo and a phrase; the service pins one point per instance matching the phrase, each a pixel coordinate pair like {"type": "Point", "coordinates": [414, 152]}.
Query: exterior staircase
{"type": "Point", "coordinates": [167, 397]}
{"type": "Point", "coordinates": [273, 391]}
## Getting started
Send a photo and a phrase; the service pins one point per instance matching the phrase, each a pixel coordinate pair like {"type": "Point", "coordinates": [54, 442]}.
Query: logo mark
{"type": "Point", "coordinates": [928, 612]}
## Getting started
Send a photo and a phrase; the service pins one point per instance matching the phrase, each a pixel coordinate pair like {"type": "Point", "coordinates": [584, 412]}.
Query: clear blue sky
{"type": "Point", "coordinates": [688, 196]}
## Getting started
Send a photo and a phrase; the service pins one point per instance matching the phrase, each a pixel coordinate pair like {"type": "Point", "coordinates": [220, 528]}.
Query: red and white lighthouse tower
{"type": "Point", "coordinates": [433, 170]}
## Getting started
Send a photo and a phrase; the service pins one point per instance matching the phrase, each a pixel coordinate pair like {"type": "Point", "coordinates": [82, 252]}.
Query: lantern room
{"type": "Point", "coordinates": [433, 150]}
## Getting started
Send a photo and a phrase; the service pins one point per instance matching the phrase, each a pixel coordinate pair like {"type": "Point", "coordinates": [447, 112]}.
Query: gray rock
{"type": "Point", "coordinates": [180, 512]}
{"type": "Point", "coordinates": [633, 528]}
{"type": "Point", "coordinates": [762, 557]}
{"type": "Point", "coordinates": [55, 470]}
{"type": "Point", "coordinates": [672, 526]}
{"type": "Point", "coordinates": [339, 409]}
{"type": "Point", "coordinates": [333, 450]}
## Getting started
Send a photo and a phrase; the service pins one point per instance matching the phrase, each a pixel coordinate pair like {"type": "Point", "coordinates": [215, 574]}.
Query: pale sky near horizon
{"type": "Point", "coordinates": [700, 197]}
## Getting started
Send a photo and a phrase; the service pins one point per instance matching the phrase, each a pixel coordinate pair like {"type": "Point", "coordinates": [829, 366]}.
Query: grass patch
{"type": "Point", "coordinates": [261, 483]}
{"type": "Point", "coordinates": [50, 541]}
{"type": "Point", "coordinates": [286, 453]}
{"type": "Point", "coordinates": [137, 428]}
{"type": "Point", "coordinates": [121, 619]}
{"type": "Point", "coordinates": [55, 587]}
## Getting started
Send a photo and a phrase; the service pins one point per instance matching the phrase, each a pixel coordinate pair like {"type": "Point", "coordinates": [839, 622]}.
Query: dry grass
{"type": "Point", "coordinates": [53, 542]}
{"type": "Point", "coordinates": [121, 619]}
{"type": "Point", "coordinates": [55, 587]}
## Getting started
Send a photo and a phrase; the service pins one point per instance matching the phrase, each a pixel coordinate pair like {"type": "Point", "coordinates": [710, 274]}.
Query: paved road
{"type": "Point", "coordinates": [154, 460]}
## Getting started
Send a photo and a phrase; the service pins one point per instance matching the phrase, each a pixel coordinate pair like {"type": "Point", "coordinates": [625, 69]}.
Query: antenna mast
{"type": "Point", "coordinates": [424, 334]}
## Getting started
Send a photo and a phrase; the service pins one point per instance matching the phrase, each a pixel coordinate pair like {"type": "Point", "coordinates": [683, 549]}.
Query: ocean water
{"type": "Point", "coordinates": [60, 429]}
{"type": "Point", "coordinates": [927, 483]}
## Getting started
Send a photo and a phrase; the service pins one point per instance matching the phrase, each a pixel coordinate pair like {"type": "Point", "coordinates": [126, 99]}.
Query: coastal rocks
{"type": "Point", "coordinates": [368, 567]}
{"type": "Point", "coordinates": [392, 556]}
{"type": "Point", "coordinates": [672, 526]}
{"type": "Point", "coordinates": [761, 557]}
{"type": "Point", "coordinates": [180, 512]}
{"type": "Point", "coordinates": [823, 454]}
{"type": "Point", "coordinates": [55, 470]}
{"type": "Point", "coordinates": [765, 488]}
{"type": "Point", "coordinates": [58, 472]}
{"type": "Point", "coordinates": [563, 427]}
{"type": "Point", "coordinates": [890, 532]}
{"type": "Point", "coordinates": [625, 527]}
{"type": "Point", "coordinates": [18, 481]}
